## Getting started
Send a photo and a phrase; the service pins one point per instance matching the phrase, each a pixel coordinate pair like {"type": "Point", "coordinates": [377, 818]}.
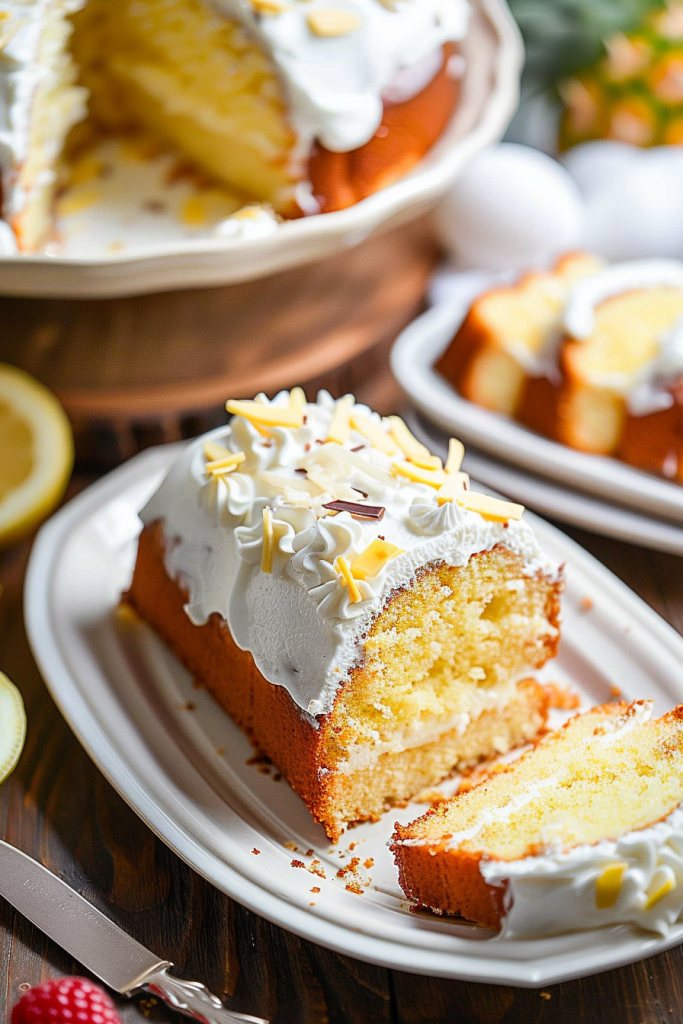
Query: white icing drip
{"type": "Point", "coordinates": [299, 623]}
{"type": "Point", "coordinates": [249, 222]}
{"type": "Point", "coordinates": [334, 86]}
{"type": "Point", "coordinates": [646, 391]}
{"type": "Point", "coordinates": [589, 292]}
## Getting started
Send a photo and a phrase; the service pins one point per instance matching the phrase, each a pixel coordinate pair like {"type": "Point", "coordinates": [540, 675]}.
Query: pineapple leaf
{"type": "Point", "coordinates": [563, 35]}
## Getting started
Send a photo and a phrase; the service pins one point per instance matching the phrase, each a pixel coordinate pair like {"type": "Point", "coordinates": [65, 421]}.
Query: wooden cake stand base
{"type": "Point", "coordinates": [133, 372]}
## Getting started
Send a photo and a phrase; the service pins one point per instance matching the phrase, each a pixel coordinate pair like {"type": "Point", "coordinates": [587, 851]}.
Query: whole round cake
{"type": "Point", "coordinates": [307, 106]}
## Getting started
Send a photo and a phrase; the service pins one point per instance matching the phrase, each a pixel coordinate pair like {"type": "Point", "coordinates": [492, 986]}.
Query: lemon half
{"type": "Point", "coordinates": [36, 453]}
{"type": "Point", "coordinates": [12, 726]}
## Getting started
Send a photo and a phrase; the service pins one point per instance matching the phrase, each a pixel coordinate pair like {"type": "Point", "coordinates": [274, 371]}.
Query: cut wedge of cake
{"type": "Point", "coordinates": [39, 102]}
{"type": "Point", "coordinates": [584, 830]}
{"type": "Point", "coordinates": [364, 616]}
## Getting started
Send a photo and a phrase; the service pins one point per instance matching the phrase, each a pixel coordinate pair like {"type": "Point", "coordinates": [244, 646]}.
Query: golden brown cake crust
{"type": "Point", "coordinates": [277, 726]}
{"type": "Point", "coordinates": [407, 132]}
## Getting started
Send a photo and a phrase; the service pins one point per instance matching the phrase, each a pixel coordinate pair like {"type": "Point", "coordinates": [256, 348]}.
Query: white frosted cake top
{"type": "Point", "coordinates": [251, 538]}
{"type": "Point", "coordinates": [335, 82]}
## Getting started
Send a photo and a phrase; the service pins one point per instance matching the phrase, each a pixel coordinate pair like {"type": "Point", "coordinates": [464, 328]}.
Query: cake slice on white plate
{"type": "Point", "coordinates": [584, 830]}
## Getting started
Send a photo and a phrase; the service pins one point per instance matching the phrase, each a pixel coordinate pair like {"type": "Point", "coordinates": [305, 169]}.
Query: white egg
{"type": "Point", "coordinates": [512, 207]}
{"type": "Point", "coordinates": [639, 213]}
{"type": "Point", "coordinates": [594, 164]}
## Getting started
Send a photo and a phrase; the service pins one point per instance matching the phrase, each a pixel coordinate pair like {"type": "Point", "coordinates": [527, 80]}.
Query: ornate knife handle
{"type": "Point", "coordinates": [192, 998]}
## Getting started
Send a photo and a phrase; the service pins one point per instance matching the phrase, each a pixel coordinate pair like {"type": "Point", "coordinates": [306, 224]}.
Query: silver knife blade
{"type": "Point", "coordinates": [100, 945]}
{"type": "Point", "coordinates": [74, 924]}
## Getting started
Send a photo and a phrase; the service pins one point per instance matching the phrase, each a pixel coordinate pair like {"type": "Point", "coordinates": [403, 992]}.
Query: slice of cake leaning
{"type": "Point", "coordinates": [39, 103]}
{"type": "Point", "coordinates": [582, 831]}
{"type": "Point", "coordinates": [368, 620]}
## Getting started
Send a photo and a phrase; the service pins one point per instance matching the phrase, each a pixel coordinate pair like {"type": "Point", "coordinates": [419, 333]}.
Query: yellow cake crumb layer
{"type": "Point", "coordinates": [627, 332]}
{"type": "Point", "coordinates": [588, 782]}
{"type": "Point", "coordinates": [442, 651]}
{"type": "Point", "coordinates": [195, 78]}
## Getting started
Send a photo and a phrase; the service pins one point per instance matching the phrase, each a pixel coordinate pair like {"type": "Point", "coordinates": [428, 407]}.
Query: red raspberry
{"type": "Point", "coordinates": [65, 1001]}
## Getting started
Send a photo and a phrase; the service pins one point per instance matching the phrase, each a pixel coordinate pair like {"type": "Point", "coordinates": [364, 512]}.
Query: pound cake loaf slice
{"type": "Point", "coordinates": [584, 830]}
{"type": "Point", "coordinates": [39, 104]}
{"type": "Point", "coordinates": [622, 351]}
{"type": "Point", "coordinates": [586, 354]}
{"type": "Point", "coordinates": [365, 617]}
{"type": "Point", "coordinates": [507, 334]}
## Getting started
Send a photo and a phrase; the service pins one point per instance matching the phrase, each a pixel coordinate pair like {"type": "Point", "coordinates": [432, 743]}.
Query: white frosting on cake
{"type": "Point", "coordinates": [335, 85]}
{"type": "Point", "coordinates": [298, 621]}
{"type": "Point", "coordinates": [33, 33]}
{"type": "Point", "coordinates": [255, 221]}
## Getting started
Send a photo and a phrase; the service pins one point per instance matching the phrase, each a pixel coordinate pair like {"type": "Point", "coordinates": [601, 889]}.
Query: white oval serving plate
{"type": "Point", "coordinates": [490, 91]}
{"type": "Point", "coordinates": [412, 361]}
{"type": "Point", "coordinates": [184, 768]}
{"type": "Point", "coordinates": [551, 499]}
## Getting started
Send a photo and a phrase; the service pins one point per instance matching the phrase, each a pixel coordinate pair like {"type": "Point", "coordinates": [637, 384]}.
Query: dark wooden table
{"type": "Point", "coordinates": [58, 807]}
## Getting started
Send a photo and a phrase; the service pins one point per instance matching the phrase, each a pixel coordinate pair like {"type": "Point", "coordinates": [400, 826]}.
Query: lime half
{"type": "Point", "coordinates": [12, 726]}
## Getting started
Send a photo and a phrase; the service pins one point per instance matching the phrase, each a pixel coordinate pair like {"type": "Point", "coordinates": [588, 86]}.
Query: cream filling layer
{"type": "Point", "coordinates": [422, 733]}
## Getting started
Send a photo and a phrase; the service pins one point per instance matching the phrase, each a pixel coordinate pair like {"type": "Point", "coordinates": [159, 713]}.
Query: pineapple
{"type": "Point", "coordinates": [634, 93]}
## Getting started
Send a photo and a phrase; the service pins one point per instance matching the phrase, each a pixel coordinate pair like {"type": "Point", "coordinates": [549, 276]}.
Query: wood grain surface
{"type": "Point", "coordinates": [139, 371]}
{"type": "Point", "coordinates": [58, 807]}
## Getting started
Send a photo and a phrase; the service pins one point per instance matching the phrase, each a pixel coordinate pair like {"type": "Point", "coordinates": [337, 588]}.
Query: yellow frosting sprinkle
{"type": "Point", "coordinates": [297, 400]}
{"type": "Point", "coordinates": [342, 566]}
{"type": "Point", "coordinates": [213, 451]}
{"type": "Point", "coordinates": [227, 464]}
{"type": "Point", "coordinates": [262, 415]}
{"type": "Point", "coordinates": [268, 538]}
{"type": "Point", "coordinates": [456, 453]}
{"type": "Point", "coordinates": [329, 21]}
{"type": "Point", "coordinates": [432, 477]}
{"type": "Point", "coordinates": [373, 433]}
{"type": "Point", "coordinates": [413, 450]}
{"type": "Point", "coordinates": [490, 508]}
{"type": "Point", "coordinates": [660, 893]}
{"type": "Point", "coordinates": [371, 561]}
{"type": "Point", "coordinates": [455, 484]}
{"type": "Point", "coordinates": [270, 6]}
{"type": "Point", "coordinates": [608, 885]}
{"type": "Point", "coordinates": [340, 427]}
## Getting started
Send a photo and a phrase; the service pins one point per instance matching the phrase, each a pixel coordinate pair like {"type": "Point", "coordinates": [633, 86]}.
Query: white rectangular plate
{"type": "Point", "coordinates": [184, 769]}
{"type": "Point", "coordinates": [412, 361]}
